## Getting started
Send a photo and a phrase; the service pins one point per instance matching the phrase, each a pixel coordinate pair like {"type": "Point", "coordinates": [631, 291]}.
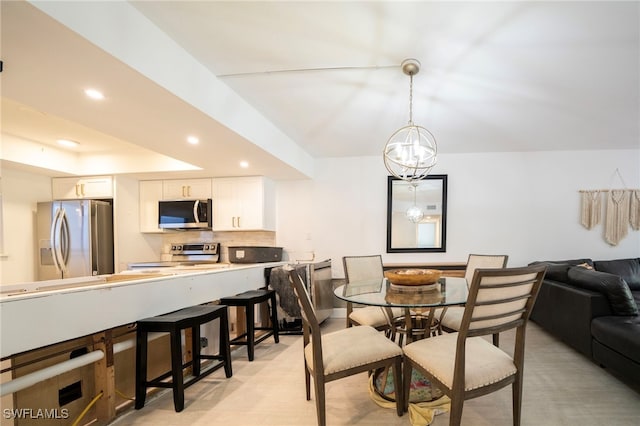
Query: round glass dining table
{"type": "Point", "coordinates": [448, 291]}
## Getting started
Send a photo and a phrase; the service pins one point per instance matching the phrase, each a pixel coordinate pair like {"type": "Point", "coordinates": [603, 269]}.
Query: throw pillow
{"type": "Point", "coordinates": [612, 286]}
{"type": "Point", "coordinates": [557, 270]}
{"type": "Point", "coordinates": [627, 269]}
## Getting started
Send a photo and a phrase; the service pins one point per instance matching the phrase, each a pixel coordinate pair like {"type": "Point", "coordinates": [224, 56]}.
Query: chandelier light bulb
{"type": "Point", "coordinates": [414, 214]}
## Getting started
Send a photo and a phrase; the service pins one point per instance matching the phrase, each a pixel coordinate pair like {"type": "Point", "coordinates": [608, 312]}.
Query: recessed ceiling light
{"type": "Point", "coordinates": [94, 94]}
{"type": "Point", "coordinates": [193, 140]}
{"type": "Point", "coordinates": [68, 143]}
{"type": "Point", "coordinates": [244, 164]}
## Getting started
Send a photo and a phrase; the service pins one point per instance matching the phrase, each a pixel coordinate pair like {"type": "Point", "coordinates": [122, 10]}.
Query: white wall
{"type": "Point", "coordinates": [130, 244]}
{"type": "Point", "coordinates": [525, 205]}
{"type": "Point", "coordinates": [21, 192]}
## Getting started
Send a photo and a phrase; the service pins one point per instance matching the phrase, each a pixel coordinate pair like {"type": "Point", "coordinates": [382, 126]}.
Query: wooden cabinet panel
{"type": "Point", "coordinates": [84, 187]}
{"type": "Point", "coordinates": [187, 188]}
{"type": "Point", "coordinates": [243, 204]}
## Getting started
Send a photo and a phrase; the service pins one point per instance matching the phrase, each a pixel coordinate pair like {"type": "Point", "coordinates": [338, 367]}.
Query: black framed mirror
{"type": "Point", "coordinates": [417, 215]}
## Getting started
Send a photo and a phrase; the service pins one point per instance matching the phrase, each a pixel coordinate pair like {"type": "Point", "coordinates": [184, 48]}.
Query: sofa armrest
{"type": "Point", "coordinates": [566, 312]}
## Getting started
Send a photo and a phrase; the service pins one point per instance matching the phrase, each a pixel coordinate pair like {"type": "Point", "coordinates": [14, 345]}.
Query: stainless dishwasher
{"type": "Point", "coordinates": [320, 288]}
{"type": "Point", "coordinates": [317, 279]}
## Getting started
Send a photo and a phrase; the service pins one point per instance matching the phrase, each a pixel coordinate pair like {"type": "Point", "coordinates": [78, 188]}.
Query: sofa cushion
{"type": "Point", "coordinates": [627, 269]}
{"type": "Point", "coordinates": [612, 286]}
{"type": "Point", "coordinates": [557, 270]}
{"type": "Point", "coordinates": [618, 333]}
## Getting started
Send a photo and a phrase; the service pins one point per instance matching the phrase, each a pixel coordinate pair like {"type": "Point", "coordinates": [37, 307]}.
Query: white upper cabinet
{"type": "Point", "coordinates": [186, 189]}
{"type": "Point", "coordinates": [82, 187]}
{"type": "Point", "coordinates": [243, 204]}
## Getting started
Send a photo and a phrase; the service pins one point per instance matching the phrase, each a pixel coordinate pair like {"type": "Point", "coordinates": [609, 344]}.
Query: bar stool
{"type": "Point", "coordinates": [248, 300]}
{"type": "Point", "coordinates": [173, 323]}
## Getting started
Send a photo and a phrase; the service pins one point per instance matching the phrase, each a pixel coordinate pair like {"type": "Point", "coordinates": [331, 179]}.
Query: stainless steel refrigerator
{"type": "Point", "coordinates": [75, 239]}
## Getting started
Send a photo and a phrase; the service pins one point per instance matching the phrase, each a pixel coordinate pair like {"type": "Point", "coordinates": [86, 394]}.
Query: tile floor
{"type": "Point", "coordinates": [562, 388]}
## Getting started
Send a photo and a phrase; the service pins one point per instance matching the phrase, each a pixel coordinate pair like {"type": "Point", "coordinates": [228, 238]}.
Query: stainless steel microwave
{"type": "Point", "coordinates": [185, 214]}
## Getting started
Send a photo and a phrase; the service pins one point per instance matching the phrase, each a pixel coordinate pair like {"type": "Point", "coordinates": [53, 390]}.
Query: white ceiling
{"type": "Point", "coordinates": [496, 76]}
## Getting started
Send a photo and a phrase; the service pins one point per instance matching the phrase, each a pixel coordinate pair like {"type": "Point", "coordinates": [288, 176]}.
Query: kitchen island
{"type": "Point", "coordinates": [69, 343]}
{"type": "Point", "coordinates": [39, 315]}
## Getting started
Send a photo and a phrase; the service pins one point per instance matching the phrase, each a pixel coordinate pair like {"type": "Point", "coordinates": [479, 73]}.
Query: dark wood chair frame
{"type": "Point", "coordinates": [496, 336]}
{"type": "Point", "coordinates": [312, 335]}
{"type": "Point", "coordinates": [345, 261]}
{"type": "Point", "coordinates": [457, 392]}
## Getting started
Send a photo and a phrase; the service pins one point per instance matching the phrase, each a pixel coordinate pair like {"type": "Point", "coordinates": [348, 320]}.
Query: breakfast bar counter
{"type": "Point", "coordinates": [33, 317]}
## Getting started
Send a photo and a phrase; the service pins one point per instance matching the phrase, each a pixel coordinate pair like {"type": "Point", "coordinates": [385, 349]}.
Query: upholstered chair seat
{"type": "Point", "coordinates": [346, 349]}
{"type": "Point", "coordinates": [373, 316]}
{"type": "Point", "coordinates": [484, 364]}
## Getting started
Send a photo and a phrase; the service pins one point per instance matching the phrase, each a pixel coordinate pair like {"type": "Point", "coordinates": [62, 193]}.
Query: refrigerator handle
{"type": "Point", "coordinates": [55, 246]}
{"type": "Point", "coordinates": [64, 240]}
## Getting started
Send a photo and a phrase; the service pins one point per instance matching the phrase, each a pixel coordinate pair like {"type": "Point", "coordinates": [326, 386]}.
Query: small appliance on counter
{"type": "Point", "coordinates": [248, 254]}
{"type": "Point", "coordinates": [186, 254]}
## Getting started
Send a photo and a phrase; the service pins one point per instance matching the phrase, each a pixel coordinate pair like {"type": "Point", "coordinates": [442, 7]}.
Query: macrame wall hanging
{"type": "Point", "coordinates": [591, 208]}
{"type": "Point", "coordinates": [634, 209]}
{"type": "Point", "coordinates": [622, 210]}
{"type": "Point", "coordinates": [617, 216]}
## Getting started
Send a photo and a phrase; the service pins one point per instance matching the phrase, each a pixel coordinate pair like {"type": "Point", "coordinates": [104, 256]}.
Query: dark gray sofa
{"type": "Point", "coordinates": [595, 311]}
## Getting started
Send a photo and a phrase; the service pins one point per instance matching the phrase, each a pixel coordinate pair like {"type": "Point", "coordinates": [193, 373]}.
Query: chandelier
{"type": "Point", "coordinates": [410, 153]}
{"type": "Point", "coordinates": [414, 213]}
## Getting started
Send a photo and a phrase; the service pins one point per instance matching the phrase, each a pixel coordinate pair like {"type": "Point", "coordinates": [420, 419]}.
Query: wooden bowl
{"type": "Point", "coordinates": [413, 276]}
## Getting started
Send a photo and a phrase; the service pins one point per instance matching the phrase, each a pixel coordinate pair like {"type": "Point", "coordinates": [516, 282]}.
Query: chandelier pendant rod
{"type": "Point", "coordinates": [411, 99]}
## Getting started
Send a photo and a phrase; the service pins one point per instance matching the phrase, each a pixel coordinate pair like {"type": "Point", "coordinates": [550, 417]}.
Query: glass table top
{"type": "Point", "coordinates": [448, 291]}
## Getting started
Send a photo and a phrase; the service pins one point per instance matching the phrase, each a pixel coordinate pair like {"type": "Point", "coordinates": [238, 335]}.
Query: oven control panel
{"type": "Point", "coordinates": [195, 248]}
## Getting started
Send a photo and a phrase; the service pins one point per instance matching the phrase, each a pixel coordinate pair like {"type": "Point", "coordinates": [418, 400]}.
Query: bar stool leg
{"type": "Point", "coordinates": [250, 315]}
{"type": "Point", "coordinates": [225, 347]}
{"type": "Point", "coordinates": [195, 350]}
{"type": "Point", "coordinates": [274, 318]}
{"type": "Point", "coordinates": [176, 370]}
{"type": "Point", "coordinates": [141, 368]}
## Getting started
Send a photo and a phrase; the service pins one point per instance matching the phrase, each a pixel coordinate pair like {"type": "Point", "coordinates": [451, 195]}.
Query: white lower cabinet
{"type": "Point", "coordinates": [243, 204]}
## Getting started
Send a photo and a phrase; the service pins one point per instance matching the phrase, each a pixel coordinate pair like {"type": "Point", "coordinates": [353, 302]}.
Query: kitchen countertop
{"type": "Point", "coordinates": [42, 313]}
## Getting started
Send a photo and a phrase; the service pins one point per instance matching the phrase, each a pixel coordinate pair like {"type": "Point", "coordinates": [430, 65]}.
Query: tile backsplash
{"type": "Point", "coordinates": [226, 240]}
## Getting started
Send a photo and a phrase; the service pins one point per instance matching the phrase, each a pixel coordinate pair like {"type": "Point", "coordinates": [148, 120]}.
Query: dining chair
{"type": "Point", "coordinates": [342, 353]}
{"type": "Point", "coordinates": [464, 365]}
{"type": "Point", "coordinates": [451, 318]}
{"type": "Point", "coordinates": [360, 268]}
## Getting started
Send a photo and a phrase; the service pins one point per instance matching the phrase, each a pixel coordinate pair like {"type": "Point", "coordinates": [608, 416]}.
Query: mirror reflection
{"type": "Point", "coordinates": [417, 214]}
